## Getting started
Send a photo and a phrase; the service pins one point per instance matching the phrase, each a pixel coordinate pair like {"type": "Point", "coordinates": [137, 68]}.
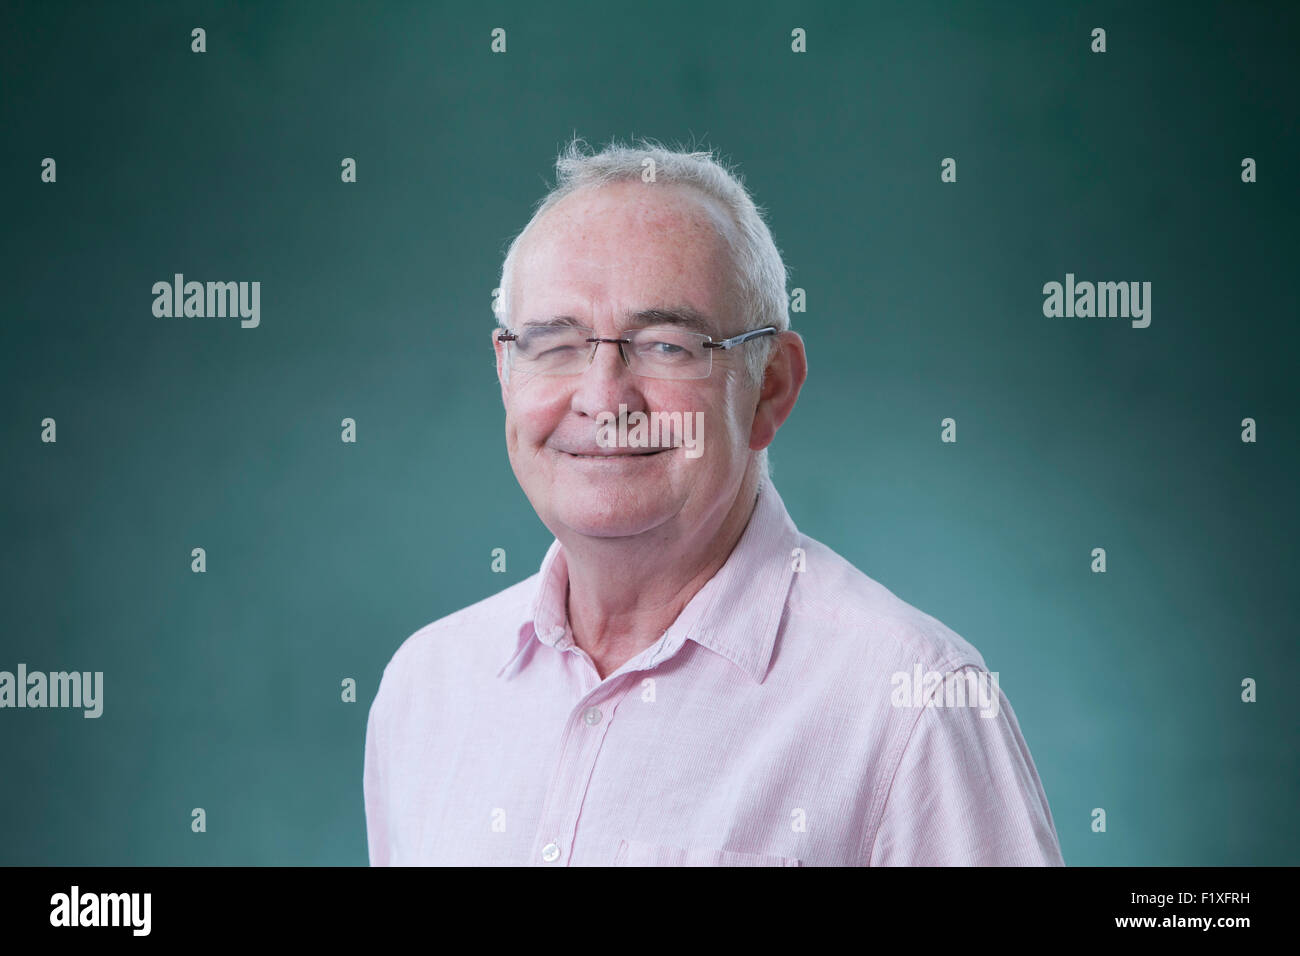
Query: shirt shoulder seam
{"type": "Point", "coordinates": [884, 789]}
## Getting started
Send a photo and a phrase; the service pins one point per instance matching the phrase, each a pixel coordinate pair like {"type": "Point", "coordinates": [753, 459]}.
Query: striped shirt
{"type": "Point", "coordinates": [796, 713]}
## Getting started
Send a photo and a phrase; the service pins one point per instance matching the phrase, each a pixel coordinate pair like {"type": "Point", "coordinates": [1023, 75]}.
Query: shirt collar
{"type": "Point", "coordinates": [736, 614]}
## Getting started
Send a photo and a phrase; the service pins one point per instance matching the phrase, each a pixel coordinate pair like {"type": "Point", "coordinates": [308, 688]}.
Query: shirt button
{"type": "Point", "coordinates": [592, 717]}
{"type": "Point", "coordinates": [550, 853]}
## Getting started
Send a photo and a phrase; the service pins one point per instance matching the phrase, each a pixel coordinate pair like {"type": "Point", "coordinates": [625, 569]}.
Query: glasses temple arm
{"type": "Point", "coordinates": [742, 338]}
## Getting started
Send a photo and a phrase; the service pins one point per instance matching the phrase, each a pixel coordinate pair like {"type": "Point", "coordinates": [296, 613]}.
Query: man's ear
{"type": "Point", "coordinates": [787, 370]}
{"type": "Point", "coordinates": [503, 373]}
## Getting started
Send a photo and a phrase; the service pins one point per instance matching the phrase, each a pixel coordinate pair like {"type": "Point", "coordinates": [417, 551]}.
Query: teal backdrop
{"type": "Point", "coordinates": [222, 690]}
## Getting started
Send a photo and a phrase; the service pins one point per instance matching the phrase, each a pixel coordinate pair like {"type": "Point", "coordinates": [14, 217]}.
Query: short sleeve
{"type": "Point", "coordinates": [966, 793]}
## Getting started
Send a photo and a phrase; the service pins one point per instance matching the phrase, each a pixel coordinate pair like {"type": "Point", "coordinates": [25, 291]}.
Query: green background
{"type": "Point", "coordinates": [924, 302]}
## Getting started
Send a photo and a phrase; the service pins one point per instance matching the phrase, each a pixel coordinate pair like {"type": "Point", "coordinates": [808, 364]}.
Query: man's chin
{"type": "Point", "coordinates": [611, 498]}
{"type": "Point", "coordinates": [615, 516]}
{"type": "Point", "coordinates": [612, 527]}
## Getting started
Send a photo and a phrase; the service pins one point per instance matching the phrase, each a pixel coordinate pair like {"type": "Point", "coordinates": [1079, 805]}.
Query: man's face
{"type": "Point", "coordinates": [599, 257]}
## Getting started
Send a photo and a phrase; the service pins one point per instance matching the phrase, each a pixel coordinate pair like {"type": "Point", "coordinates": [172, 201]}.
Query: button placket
{"type": "Point", "coordinates": [584, 735]}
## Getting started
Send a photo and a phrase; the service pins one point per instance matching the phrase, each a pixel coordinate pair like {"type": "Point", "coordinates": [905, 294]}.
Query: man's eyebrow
{"type": "Point", "coordinates": [553, 320]}
{"type": "Point", "coordinates": [682, 315]}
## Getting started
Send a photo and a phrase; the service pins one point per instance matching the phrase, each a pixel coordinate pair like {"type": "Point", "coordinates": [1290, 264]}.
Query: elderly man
{"type": "Point", "coordinates": [687, 680]}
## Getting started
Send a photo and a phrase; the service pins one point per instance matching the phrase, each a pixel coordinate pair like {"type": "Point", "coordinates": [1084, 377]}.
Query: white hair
{"type": "Point", "coordinates": [760, 272]}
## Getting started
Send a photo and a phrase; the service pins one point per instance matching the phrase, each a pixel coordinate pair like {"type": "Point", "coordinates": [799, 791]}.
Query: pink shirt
{"type": "Point", "coordinates": [768, 726]}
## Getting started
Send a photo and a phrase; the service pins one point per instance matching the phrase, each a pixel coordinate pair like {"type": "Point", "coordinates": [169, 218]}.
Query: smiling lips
{"type": "Point", "coordinates": [615, 454]}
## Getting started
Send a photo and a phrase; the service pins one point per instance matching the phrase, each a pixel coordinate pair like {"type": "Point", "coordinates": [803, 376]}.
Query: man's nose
{"type": "Point", "coordinates": [607, 382]}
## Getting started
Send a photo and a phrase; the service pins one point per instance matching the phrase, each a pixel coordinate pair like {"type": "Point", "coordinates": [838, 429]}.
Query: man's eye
{"type": "Point", "coordinates": [541, 341]}
{"type": "Point", "coordinates": [554, 351]}
{"type": "Point", "coordinates": [664, 349]}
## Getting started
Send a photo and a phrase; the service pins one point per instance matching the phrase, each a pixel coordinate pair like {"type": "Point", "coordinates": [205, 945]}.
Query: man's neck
{"type": "Point", "coordinates": [624, 593]}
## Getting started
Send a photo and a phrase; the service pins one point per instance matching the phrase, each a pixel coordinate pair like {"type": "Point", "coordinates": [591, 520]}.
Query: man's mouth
{"type": "Point", "coordinates": [624, 454]}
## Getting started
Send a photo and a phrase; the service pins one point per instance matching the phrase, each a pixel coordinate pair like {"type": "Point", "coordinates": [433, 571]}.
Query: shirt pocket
{"type": "Point", "coordinates": [636, 853]}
